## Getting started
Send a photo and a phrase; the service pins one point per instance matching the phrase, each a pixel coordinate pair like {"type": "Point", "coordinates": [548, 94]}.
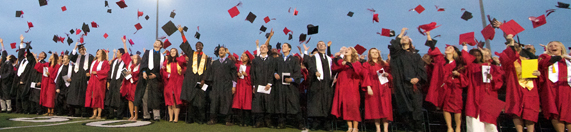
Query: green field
{"type": "Point", "coordinates": [79, 125]}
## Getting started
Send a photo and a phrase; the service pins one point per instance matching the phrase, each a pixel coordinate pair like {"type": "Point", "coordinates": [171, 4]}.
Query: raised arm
{"type": "Point", "coordinates": [329, 49]}
{"type": "Point", "coordinates": [269, 37]}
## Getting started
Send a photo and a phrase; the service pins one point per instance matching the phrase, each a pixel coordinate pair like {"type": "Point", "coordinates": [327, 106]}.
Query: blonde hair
{"type": "Point", "coordinates": [354, 55]}
{"type": "Point", "coordinates": [561, 46]}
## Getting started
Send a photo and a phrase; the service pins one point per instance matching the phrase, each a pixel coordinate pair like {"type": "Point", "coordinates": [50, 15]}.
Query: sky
{"type": "Point", "coordinates": [217, 27]}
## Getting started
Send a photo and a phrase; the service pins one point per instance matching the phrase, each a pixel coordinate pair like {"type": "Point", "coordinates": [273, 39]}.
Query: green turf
{"type": "Point", "coordinates": [155, 126]}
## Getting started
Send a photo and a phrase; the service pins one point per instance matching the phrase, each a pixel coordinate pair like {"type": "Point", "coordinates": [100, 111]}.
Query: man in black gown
{"type": "Point", "coordinates": [78, 86]}
{"type": "Point", "coordinates": [223, 80]}
{"type": "Point", "coordinates": [262, 75]}
{"type": "Point", "coordinates": [114, 103]}
{"type": "Point", "coordinates": [63, 81]}
{"type": "Point", "coordinates": [7, 75]}
{"type": "Point", "coordinates": [25, 67]}
{"type": "Point", "coordinates": [409, 74]}
{"type": "Point", "coordinates": [149, 89]}
{"type": "Point", "coordinates": [197, 65]}
{"type": "Point", "coordinates": [286, 94]}
{"type": "Point", "coordinates": [320, 93]}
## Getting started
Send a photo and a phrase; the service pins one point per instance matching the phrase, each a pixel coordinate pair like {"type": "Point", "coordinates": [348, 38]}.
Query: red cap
{"type": "Point", "coordinates": [250, 56]}
{"type": "Point", "coordinates": [488, 32]}
{"type": "Point", "coordinates": [538, 21]}
{"type": "Point", "coordinates": [287, 31]}
{"type": "Point", "coordinates": [77, 31]}
{"type": "Point", "coordinates": [267, 19]}
{"type": "Point", "coordinates": [233, 11]}
{"type": "Point", "coordinates": [427, 27]}
{"type": "Point", "coordinates": [468, 38]}
{"type": "Point", "coordinates": [63, 8]}
{"type": "Point", "coordinates": [387, 32]}
{"type": "Point", "coordinates": [295, 11]}
{"type": "Point", "coordinates": [81, 39]}
{"type": "Point", "coordinates": [131, 42]}
{"type": "Point", "coordinates": [360, 49]}
{"type": "Point", "coordinates": [61, 39]}
{"type": "Point", "coordinates": [13, 45]}
{"type": "Point", "coordinates": [105, 35]}
{"type": "Point", "coordinates": [419, 9]}
{"type": "Point", "coordinates": [375, 17]}
{"type": "Point", "coordinates": [511, 27]}
{"type": "Point", "coordinates": [138, 26]}
{"type": "Point", "coordinates": [121, 4]}
{"type": "Point", "coordinates": [236, 56]}
{"type": "Point", "coordinates": [30, 25]}
{"type": "Point", "coordinates": [139, 13]}
{"type": "Point", "coordinates": [255, 52]}
{"type": "Point", "coordinates": [167, 43]}
{"type": "Point", "coordinates": [94, 24]}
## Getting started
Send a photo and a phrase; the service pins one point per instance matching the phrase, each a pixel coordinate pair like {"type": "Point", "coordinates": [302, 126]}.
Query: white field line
{"type": "Point", "coordinates": [63, 123]}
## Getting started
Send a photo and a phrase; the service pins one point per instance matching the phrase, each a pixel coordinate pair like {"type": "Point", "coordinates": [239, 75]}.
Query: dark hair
{"type": "Point", "coordinates": [160, 41]}
{"type": "Point", "coordinates": [474, 52]}
{"type": "Point", "coordinates": [288, 45]}
{"type": "Point", "coordinates": [170, 58]}
{"type": "Point", "coordinates": [56, 58]}
{"type": "Point", "coordinates": [12, 59]}
{"type": "Point", "coordinates": [121, 50]}
{"type": "Point", "coordinates": [200, 43]}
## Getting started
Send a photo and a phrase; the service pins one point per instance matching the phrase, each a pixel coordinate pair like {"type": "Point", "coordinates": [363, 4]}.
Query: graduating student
{"type": "Point", "coordinates": [223, 84]}
{"type": "Point", "coordinates": [409, 75]}
{"type": "Point", "coordinates": [25, 67]}
{"type": "Point", "coordinates": [378, 100]}
{"type": "Point", "coordinates": [555, 91]}
{"type": "Point", "coordinates": [35, 84]}
{"type": "Point", "coordinates": [49, 73]}
{"type": "Point", "coordinates": [262, 75]}
{"type": "Point", "coordinates": [80, 76]}
{"type": "Point", "coordinates": [173, 73]}
{"type": "Point", "coordinates": [242, 101]}
{"type": "Point", "coordinates": [347, 99]}
{"type": "Point", "coordinates": [522, 97]}
{"type": "Point", "coordinates": [320, 93]}
{"type": "Point", "coordinates": [114, 102]}
{"type": "Point", "coordinates": [63, 81]}
{"type": "Point", "coordinates": [446, 92]}
{"type": "Point", "coordinates": [130, 83]}
{"type": "Point", "coordinates": [95, 93]}
{"type": "Point", "coordinates": [7, 73]}
{"type": "Point", "coordinates": [285, 93]}
{"type": "Point", "coordinates": [482, 93]}
{"type": "Point", "coordinates": [197, 65]}
{"type": "Point", "coordinates": [148, 92]}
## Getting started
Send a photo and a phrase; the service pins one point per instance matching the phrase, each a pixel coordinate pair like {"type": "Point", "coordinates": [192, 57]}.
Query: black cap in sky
{"type": "Point", "coordinates": [467, 15]}
{"type": "Point", "coordinates": [251, 17]}
{"type": "Point", "coordinates": [312, 29]}
{"type": "Point", "coordinates": [169, 28]}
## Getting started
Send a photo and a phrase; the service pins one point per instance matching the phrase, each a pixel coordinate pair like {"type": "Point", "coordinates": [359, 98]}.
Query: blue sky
{"type": "Point", "coordinates": [217, 27]}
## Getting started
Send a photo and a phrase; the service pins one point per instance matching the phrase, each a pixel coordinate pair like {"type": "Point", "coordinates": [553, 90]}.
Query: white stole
{"type": "Point", "coordinates": [68, 74]}
{"type": "Point", "coordinates": [121, 64]}
{"type": "Point", "coordinates": [554, 75]}
{"type": "Point", "coordinates": [98, 66]}
{"type": "Point", "coordinates": [22, 67]}
{"type": "Point", "coordinates": [151, 63]}
{"type": "Point", "coordinates": [85, 63]}
{"type": "Point", "coordinates": [320, 67]}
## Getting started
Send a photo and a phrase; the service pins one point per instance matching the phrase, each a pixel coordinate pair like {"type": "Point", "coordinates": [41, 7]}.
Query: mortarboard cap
{"type": "Point", "coordinates": [69, 41]}
{"type": "Point", "coordinates": [267, 19]}
{"type": "Point", "coordinates": [360, 49]}
{"type": "Point", "coordinates": [375, 17]}
{"type": "Point", "coordinates": [197, 35]}
{"type": "Point", "coordinates": [106, 3]}
{"type": "Point", "coordinates": [94, 24]}
{"type": "Point", "coordinates": [169, 28]}
{"type": "Point", "coordinates": [538, 21]}
{"type": "Point", "coordinates": [71, 31]}
{"type": "Point", "coordinates": [108, 10]}
{"type": "Point", "coordinates": [302, 37]}
{"type": "Point", "coordinates": [172, 14]}
{"type": "Point", "coordinates": [251, 17]}
{"type": "Point", "coordinates": [350, 14]}
{"type": "Point", "coordinates": [63, 8]}
{"type": "Point", "coordinates": [167, 43]}
{"type": "Point", "coordinates": [511, 27]}
{"type": "Point", "coordinates": [43, 2]}
{"type": "Point", "coordinates": [489, 32]}
{"type": "Point", "coordinates": [387, 32]}
{"type": "Point", "coordinates": [77, 31]}
{"type": "Point", "coordinates": [419, 9]}
{"type": "Point", "coordinates": [19, 13]}
{"type": "Point", "coordinates": [61, 39]}
{"type": "Point", "coordinates": [81, 39]}
{"type": "Point", "coordinates": [267, 35]}
{"type": "Point", "coordinates": [263, 29]}
{"type": "Point", "coordinates": [279, 46]}
{"type": "Point", "coordinates": [562, 5]}
{"type": "Point", "coordinates": [85, 28]}
{"type": "Point", "coordinates": [427, 27]}
{"type": "Point", "coordinates": [131, 42]}
{"type": "Point", "coordinates": [467, 15]}
{"type": "Point", "coordinates": [138, 27]}
{"type": "Point", "coordinates": [295, 11]}
{"type": "Point", "coordinates": [13, 45]}
{"type": "Point", "coordinates": [121, 4]}
{"type": "Point", "coordinates": [50, 52]}
{"type": "Point", "coordinates": [30, 25]}
{"type": "Point", "coordinates": [233, 11]}
{"type": "Point", "coordinates": [311, 29]}
{"type": "Point", "coordinates": [468, 38]}
{"type": "Point", "coordinates": [290, 37]}
{"type": "Point", "coordinates": [105, 35]}
{"type": "Point", "coordinates": [185, 29]}
{"type": "Point", "coordinates": [139, 13]}
{"type": "Point", "coordinates": [56, 38]}
{"type": "Point", "coordinates": [286, 31]}
{"type": "Point", "coordinates": [66, 52]}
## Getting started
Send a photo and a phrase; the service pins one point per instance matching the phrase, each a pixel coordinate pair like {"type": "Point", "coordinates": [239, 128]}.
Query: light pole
{"type": "Point", "coordinates": [157, 26]}
{"type": "Point", "coordinates": [484, 24]}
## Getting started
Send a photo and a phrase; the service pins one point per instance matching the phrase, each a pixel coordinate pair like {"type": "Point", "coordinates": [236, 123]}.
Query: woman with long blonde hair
{"type": "Point", "coordinates": [95, 93]}
{"type": "Point", "coordinates": [346, 100]}
{"type": "Point", "coordinates": [555, 90]}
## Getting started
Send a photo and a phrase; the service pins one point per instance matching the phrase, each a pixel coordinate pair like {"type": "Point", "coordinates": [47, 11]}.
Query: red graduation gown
{"type": "Point", "coordinates": [520, 101]}
{"type": "Point", "coordinates": [346, 100]}
{"type": "Point", "coordinates": [95, 93]}
{"type": "Point", "coordinates": [48, 92]}
{"type": "Point", "coordinates": [173, 84]}
{"type": "Point", "coordinates": [478, 90]}
{"type": "Point", "coordinates": [128, 88]}
{"type": "Point", "coordinates": [379, 105]}
{"type": "Point", "coordinates": [446, 91]}
{"type": "Point", "coordinates": [555, 97]}
{"type": "Point", "coordinates": [243, 96]}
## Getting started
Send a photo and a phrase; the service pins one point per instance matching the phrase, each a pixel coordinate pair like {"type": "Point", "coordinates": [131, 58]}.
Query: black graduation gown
{"type": "Point", "coordinates": [60, 82]}
{"type": "Point", "coordinates": [286, 97]}
{"type": "Point", "coordinates": [221, 92]}
{"type": "Point", "coordinates": [155, 92]}
{"type": "Point", "coordinates": [189, 91]}
{"type": "Point", "coordinates": [405, 66]}
{"type": "Point", "coordinates": [35, 77]}
{"type": "Point", "coordinates": [262, 73]}
{"type": "Point", "coordinates": [7, 73]}
{"type": "Point", "coordinates": [320, 93]}
{"type": "Point", "coordinates": [113, 92]}
{"type": "Point", "coordinates": [23, 91]}
{"type": "Point", "coordinates": [78, 86]}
